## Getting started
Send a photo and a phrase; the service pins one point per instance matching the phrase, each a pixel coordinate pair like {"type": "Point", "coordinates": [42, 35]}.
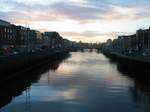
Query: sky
{"type": "Point", "coordinates": [79, 20]}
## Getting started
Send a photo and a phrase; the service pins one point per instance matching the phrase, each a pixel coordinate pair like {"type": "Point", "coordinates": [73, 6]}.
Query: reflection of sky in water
{"type": "Point", "coordinates": [86, 82]}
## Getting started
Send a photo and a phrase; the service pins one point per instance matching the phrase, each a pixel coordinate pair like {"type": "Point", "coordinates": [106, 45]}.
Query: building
{"type": "Point", "coordinates": [4, 23]}
{"type": "Point", "coordinates": [53, 39]}
{"type": "Point", "coordinates": [35, 39]}
{"type": "Point", "coordinates": [7, 36]}
{"type": "Point", "coordinates": [134, 42]}
{"type": "Point", "coordinates": [39, 39]}
{"type": "Point", "coordinates": [116, 45]}
{"type": "Point", "coordinates": [143, 38]}
{"type": "Point", "coordinates": [22, 35]}
{"type": "Point", "coordinates": [23, 39]}
{"type": "Point", "coordinates": [138, 43]}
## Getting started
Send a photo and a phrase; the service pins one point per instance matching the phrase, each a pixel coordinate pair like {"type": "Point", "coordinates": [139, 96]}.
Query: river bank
{"type": "Point", "coordinates": [133, 64]}
{"type": "Point", "coordinates": [15, 63]}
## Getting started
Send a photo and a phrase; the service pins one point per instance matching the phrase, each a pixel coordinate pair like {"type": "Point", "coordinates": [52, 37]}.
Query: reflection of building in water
{"type": "Point", "coordinates": [54, 65]}
{"type": "Point", "coordinates": [140, 94]}
{"type": "Point", "coordinates": [48, 77]}
{"type": "Point", "coordinates": [28, 100]}
{"type": "Point", "coordinates": [140, 91]}
{"type": "Point", "coordinates": [22, 82]}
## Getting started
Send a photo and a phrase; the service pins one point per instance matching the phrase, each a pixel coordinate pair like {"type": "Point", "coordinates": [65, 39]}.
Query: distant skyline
{"type": "Point", "coordinates": [85, 20]}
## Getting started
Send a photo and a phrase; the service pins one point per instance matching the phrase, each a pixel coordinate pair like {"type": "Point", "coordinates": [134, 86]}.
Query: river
{"type": "Point", "coordinates": [82, 82]}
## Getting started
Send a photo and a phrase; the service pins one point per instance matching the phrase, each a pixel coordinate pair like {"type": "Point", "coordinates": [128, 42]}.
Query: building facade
{"type": "Point", "coordinates": [7, 36]}
{"type": "Point", "coordinates": [23, 39]}
{"type": "Point", "coordinates": [143, 38]}
{"type": "Point", "coordinates": [53, 39]}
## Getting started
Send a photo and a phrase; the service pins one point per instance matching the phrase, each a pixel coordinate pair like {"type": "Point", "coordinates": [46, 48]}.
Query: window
{"type": "Point", "coordinates": [5, 30]}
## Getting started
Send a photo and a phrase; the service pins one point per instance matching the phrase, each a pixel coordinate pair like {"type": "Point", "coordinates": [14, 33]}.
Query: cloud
{"type": "Point", "coordinates": [121, 3]}
{"type": "Point", "coordinates": [83, 12]}
{"type": "Point", "coordinates": [127, 14]}
{"type": "Point", "coordinates": [18, 12]}
{"type": "Point", "coordinates": [92, 17]}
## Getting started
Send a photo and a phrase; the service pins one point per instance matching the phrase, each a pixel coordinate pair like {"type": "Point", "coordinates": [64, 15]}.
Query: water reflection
{"type": "Point", "coordinates": [84, 82]}
{"type": "Point", "coordinates": [22, 81]}
{"type": "Point", "coordinates": [140, 90]}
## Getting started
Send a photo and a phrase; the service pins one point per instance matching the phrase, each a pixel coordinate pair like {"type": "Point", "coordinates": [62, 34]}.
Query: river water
{"type": "Point", "coordinates": [82, 82]}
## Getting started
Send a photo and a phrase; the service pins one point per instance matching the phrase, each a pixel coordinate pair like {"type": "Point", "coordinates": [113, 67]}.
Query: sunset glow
{"type": "Point", "coordinates": [85, 20]}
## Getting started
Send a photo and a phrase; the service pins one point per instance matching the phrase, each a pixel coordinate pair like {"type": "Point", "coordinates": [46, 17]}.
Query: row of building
{"type": "Point", "coordinates": [136, 43]}
{"type": "Point", "coordinates": [15, 38]}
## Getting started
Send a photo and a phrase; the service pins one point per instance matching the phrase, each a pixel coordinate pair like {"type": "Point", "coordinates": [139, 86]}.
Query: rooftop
{"type": "Point", "coordinates": [4, 23]}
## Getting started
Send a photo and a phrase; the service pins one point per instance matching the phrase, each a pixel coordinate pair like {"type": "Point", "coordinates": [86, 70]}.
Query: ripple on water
{"type": "Point", "coordinates": [85, 82]}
